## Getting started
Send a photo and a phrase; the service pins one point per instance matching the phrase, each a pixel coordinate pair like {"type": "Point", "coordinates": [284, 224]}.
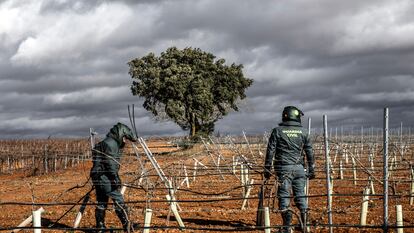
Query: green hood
{"type": "Point", "coordinates": [119, 131]}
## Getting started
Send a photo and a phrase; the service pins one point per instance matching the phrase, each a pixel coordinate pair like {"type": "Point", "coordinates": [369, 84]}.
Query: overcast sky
{"type": "Point", "coordinates": [63, 63]}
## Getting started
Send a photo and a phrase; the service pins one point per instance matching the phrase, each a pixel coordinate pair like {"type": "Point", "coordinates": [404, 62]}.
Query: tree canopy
{"type": "Point", "coordinates": [189, 86]}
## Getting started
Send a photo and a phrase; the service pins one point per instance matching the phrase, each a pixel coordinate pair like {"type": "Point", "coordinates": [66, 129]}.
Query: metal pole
{"type": "Point", "coordinates": [328, 176]}
{"type": "Point", "coordinates": [336, 134]}
{"type": "Point", "coordinates": [309, 125]}
{"type": "Point", "coordinates": [92, 134]}
{"type": "Point", "coordinates": [401, 139]}
{"type": "Point", "coordinates": [306, 166]}
{"type": "Point", "coordinates": [362, 139]}
{"type": "Point", "coordinates": [385, 172]}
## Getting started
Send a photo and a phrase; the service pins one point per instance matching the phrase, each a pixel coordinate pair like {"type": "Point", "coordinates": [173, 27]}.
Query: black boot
{"type": "Point", "coordinates": [121, 211]}
{"type": "Point", "coordinates": [304, 221]}
{"type": "Point", "coordinates": [287, 219]}
{"type": "Point", "coordinates": [100, 220]}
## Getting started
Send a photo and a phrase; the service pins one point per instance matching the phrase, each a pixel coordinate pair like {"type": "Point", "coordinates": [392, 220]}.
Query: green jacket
{"type": "Point", "coordinates": [287, 144]}
{"type": "Point", "coordinates": [106, 154]}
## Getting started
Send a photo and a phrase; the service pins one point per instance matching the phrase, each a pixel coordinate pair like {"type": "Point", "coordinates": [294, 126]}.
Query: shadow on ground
{"type": "Point", "coordinates": [210, 222]}
{"type": "Point", "coordinates": [52, 225]}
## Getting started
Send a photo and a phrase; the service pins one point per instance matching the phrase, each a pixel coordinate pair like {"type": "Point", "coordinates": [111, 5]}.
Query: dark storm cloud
{"type": "Point", "coordinates": [63, 65]}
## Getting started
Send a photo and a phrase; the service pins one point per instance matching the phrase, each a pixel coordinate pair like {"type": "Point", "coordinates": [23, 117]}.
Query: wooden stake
{"type": "Point", "coordinates": [195, 171]}
{"type": "Point", "coordinates": [364, 208]}
{"type": "Point", "coordinates": [400, 222]}
{"type": "Point", "coordinates": [147, 220]}
{"type": "Point", "coordinates": [331, 191]}
{"type": "Point", "coordinates": [123, 189]}
{"type": "Point", "coordinates": [412, 187]}
{"type": "Point", "coordinates": [173, 208]}
{"type": "Point", "coordinates": [81, 210]}
{"type": "Point", "coordinates": [243, 182]}
{"type": "Point", "coordinates": [267, 220]}
{"type": "Point", "coordinates": [186, 180]}
{"type": "Point", "coordinates": [234, 166]}
{"type": "Point", "coordinates": [27, 221]}
{"type": "Point", "coordinates": [37, 221]}
{"type": "Point", "coordinates": [371, 185]}
{"type": "Point", "coordinates": [346, 156]}
{"type": "Point", "coordinates": [354, 171]}
{"type": "Point", "coordinates": [247, 194]}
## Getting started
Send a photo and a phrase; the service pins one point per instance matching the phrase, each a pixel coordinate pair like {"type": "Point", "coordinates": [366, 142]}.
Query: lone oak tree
{"type": "Point", "coordinates": [189, 87]}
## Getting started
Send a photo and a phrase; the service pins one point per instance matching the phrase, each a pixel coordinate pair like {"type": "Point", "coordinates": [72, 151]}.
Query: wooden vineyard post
{"type": "Point", "coordinates": [412, 186]}
{"type": "Point", "coordinates": [55, 163]}
{"type": "Point", "coordinates": [400, 221]}
{"type": "Point", "coordinates": [362, 140]}
{"type": "Point", "coordinates": [246, 175]}
{"type": "Point", "coordinates": [346, 156]}
{"type": "Point", "coordinates": [8, 164]}
{"type": "Point", "coordinates": [331, 191]}
{"type": "Point", "coordinates": [267, 219]}
{"type": "Point", "coordinates": [37, 221]}
{"type": "Point", "coordinates": [22, 161]}
{"type": "Point", "coordinates": [186, 179]}
{"type": "Point", "coordinates": [354, 170]}
{"type": "Point", "coordinates": [401, 141]}
{"type": "Point", "coordinates": [81, 211]}
{"type": "Point", "coordinates": [33, 160]}
{"type": "Point", "coordinates": [195, 167]}
{"type": "Point", "coordinates": [27, 220]}
{"type": "Point", "coordinates": [247, 194]}
{"type": "Point", "coordinates": [170, 197]}
{"type": "Point", "coordinates": [248, 144]}
{"type": "Point", "coordinates": [385, 171]}
{"type": "Point", "coordinates": [371, 160]}
{"type": "Point", "coordinates": [212, 158]}
{"type": "Point", "coordinates": [234, 166]}
{"type": "Point", "coordinates": [195, 170]}
{"type": "Point", "coordinates": [364, 207]}
{"type": "Point", "coordinates": [45, 160]}
{"type": "Point", "coordinates": [242, 177]}
{"type": "Point", "coordinates": [147, 220]}
{"type": "Point", "coordinates": [173, 208]}
{"type": "Point", "coordinates": [371, 185]}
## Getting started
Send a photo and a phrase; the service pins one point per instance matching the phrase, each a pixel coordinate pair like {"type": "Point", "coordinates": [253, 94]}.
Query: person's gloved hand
{"type": "Point", "coordinates": [311, 172]}
{"type": "Point", "coordinates": [117, 182]}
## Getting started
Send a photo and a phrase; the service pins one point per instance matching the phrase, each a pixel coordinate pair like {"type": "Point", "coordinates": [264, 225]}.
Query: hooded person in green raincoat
{"type": "Point", "coordinates": [104, 173]}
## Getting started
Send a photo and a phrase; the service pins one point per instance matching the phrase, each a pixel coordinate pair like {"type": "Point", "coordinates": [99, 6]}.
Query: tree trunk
{"type": "Point", "coordinates": [193, 125]}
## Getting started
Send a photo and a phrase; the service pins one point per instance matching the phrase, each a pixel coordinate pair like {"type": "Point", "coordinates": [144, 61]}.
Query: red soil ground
{"type": "Point", "coordinates": [208, 213]}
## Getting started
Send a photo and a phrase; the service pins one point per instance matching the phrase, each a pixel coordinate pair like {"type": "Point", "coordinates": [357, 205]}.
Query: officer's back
{"type": "Point", "coordinates": [290, 139]}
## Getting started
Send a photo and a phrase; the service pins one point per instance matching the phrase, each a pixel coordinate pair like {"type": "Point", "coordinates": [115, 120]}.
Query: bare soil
{"type": "Point", "coordinates": [209, 202]}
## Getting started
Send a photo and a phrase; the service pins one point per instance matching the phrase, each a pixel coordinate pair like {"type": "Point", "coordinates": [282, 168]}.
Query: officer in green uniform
{"type": "Point", "coordinates": [104, 173]}
{"type": "Point", "coordinates": [285, 154]}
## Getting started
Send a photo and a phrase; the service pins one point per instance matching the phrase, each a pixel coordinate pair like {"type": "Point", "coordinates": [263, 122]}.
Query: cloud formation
{"type": "Point", "coordinates": [63, 63]}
